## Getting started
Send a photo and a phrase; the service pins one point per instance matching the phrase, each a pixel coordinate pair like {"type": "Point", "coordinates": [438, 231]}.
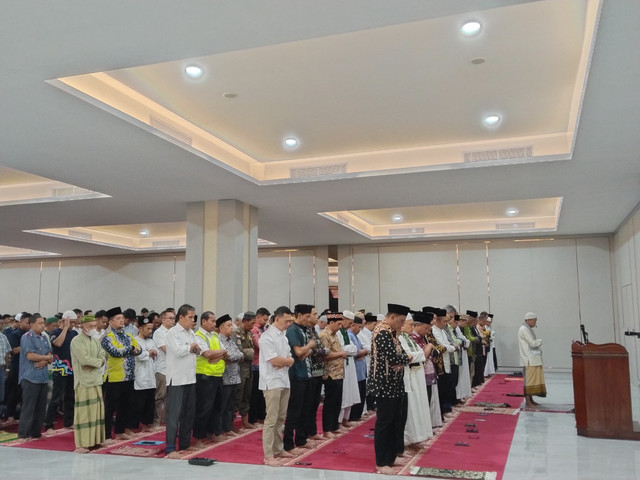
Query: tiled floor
{"type": "Point", "coordinates": [545, 446]}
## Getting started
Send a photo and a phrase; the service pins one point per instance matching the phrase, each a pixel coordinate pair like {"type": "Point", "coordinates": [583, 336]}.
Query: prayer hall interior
{"type": "Point", "coordinates": [340, 154]}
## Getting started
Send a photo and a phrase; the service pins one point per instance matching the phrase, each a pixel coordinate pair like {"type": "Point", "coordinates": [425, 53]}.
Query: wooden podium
{"type": "Point", "coordinates": [602, 392]}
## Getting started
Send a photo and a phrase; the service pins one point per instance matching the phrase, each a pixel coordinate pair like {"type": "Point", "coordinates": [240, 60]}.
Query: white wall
{"type": "Point", "coordinates": [51, 286]}
{"type": "Point", "coordinates": [626, 263]}
{"type": "Point", "coordinates": [565, 281]}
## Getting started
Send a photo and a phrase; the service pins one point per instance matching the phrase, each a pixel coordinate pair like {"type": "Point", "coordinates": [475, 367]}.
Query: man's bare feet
{"type": "Point", "coordinates": [82, 450]}
{"type": "Point", "coordinates": [174, 456]}
{"type": "Point", "coordinates": [385, 470]}
{"type": "Point", "coordinates": [271, 461]}
{"type": "Point", "coordinates": [285, 454]}
{"type": "Point", "coordinates": [109, 441]}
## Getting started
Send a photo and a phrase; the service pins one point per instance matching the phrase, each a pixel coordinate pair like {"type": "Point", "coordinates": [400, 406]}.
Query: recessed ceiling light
{"type": "Point", "coordinates": [397, 218]}
{"type": "Point", "coordinates": [291, 143]}
{"type": "Point", "coordinates": [144, 233]}
{"type": "Point", "coordinates": [193, 71]}
{"type": "Point", "coordinates": [471, 28]}
{"type": "Point", "coordinates": [512, 211]}
{"type": "Point", "coordinates": [492, 120]}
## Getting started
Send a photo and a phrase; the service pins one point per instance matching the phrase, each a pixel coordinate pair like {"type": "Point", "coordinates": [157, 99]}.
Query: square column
{"type": "Point", "coordinates": [221, 257]}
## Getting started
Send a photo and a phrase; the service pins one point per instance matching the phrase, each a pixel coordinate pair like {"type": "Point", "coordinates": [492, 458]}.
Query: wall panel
{"type": "Point", "coordinates": [474, 278]}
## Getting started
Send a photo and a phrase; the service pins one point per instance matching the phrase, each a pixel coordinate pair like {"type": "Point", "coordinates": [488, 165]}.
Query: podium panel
{"type": "Point", "coordinates": [602, 391]}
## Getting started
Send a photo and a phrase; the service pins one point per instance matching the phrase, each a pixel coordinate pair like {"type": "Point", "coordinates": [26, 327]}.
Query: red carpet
{"type": "Point", "coordinates": [353, 451]}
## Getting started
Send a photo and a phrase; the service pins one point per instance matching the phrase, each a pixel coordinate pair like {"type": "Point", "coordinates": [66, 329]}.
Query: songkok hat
{"type": "Point", "coordinates": [348, 314]}
{"type": "Point", "coordinates": [86, 319]}
{"type": "Point", "coordinates": [222, 319]}
{"type": "Point", "coordinates": [51, 320]}
{"type": "Point", "coordinates": [419, 317]}
{"type": "Point", "coordinates": [142, 321]}
{"type": "Point", "coordinates": [358, 321]}
{"type": "Point", "coordinates": [70, 314]}
{"type": "Point", "coordinates": [456, 317]}
{"type": "Point", "coordinates": [439, 312]}
{"type": "Point", "coordinates": [302, 309]}
{"type": "Point", "coordinates": [249, 316]}
{"type": "Point", "coordinates": [370, 318]}
{"type": "Point", "coordinates": [472, 314]}
{"type": "Point", "coordinates": [490, 315]}
{"type": "Point", "coordinates": [397, 309]}
{"type": "Point", "coordinates": [530, 315]}
{"type": "Point", "coordinates": [333, 317]}
{"type": "Point", "coordinates": [112, 312]}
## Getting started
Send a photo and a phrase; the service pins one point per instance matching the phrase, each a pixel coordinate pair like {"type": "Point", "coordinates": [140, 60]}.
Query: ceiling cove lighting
{"type": "Point", "coordinates": [471, 28]}
{"type": "Point", "coordinates": [492, 120]}
{"type": "Point", "coordinates": [193, 71]}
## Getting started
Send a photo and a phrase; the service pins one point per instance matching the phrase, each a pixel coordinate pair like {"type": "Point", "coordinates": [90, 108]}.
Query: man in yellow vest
{"type": "Point", "coordinates": [209, 370]}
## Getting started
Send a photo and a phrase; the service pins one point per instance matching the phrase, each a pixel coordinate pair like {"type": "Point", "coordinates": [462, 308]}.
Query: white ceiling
{"type": "Point", "coordinates": [351, 69]}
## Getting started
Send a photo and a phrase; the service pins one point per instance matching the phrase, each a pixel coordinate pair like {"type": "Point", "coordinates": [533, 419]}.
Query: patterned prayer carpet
{"type": "Point", "coordinates": [353, 450]}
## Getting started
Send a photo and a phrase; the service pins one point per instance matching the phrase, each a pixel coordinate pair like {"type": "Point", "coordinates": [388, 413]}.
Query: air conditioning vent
{"type": "Point", "coordinates": [318, 171]}
{"type": "Point", "coordinates": [170, 130]}
{"type": "Point", "coordinates": [80, 235]}
{"type": "Point", "coordinates": [516, 226]}
{"type": "Point", "coordinates": [406, 231]}
{"type": "Point", "coordinates": [166, 243]}
{"type": "Point", "coordinates": [498, 154]}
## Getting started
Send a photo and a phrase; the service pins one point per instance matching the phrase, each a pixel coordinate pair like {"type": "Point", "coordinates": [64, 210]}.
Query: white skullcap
{"type": "Point", "coordinates": [409, 316]}
{"type": "Point", "coordinates": [380, 317]}
{"type": "Point", "coordinates": [18, 317]}
{"type": "Point", "coordinates": [323, 318]}
{"type": "Point", "coordinates": [348, 314]}
{"type": "Point", "coordinates": [70, 314]}
{"type": "Point", "coordinates": [240, 316]}
{"type": "Point", "coordinates": [530, 315]}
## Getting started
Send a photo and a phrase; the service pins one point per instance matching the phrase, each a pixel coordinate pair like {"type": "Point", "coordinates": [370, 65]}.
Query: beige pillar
{"type": "Point", "coordinates": [222, 257]}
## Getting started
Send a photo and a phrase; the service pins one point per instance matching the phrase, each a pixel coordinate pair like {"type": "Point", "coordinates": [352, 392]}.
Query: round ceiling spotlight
{"type": "Point", "coordinates": [397, 218]}
{"type": "Point", "coordinates": [291, 143]}
{"type": "Point", "coordinates": [471, 28]}
{"type": "Point", "coordinates": [512, 211]}
{"type": "Point", "coordinates": [144, 233]}
{"type": "Point", "coordinates": [492, 120]}
{"type": "Point", "coordinates": [194, 71]}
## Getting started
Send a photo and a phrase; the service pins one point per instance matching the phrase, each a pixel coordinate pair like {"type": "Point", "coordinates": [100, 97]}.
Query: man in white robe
{"type": "Point", "coordinates": [418, 427]}
{"type": "Point", "coordinates": [350, 391]}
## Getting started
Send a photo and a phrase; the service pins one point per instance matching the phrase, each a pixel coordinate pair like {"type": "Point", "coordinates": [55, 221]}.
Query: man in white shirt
{"type": "Point", "coordinates": [274, 362]}
{"type": "Point", "coordinates": [446, 387]}
{"type": "Point", "coordinates": [182, 351]}
{"type": "Point", "coordinates": [160, 339]}
{"type": "Point", "coordinates": [144, 382]}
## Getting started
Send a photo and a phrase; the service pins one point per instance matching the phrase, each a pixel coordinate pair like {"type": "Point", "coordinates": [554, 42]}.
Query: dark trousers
{"type": "Point", "coordinates": [332, 404]}
{"type": "Point", "coordinates": [356, 410]}
{"type": "Point", "coordinates": [389, 429]}
{"type": "Point", "coordinates": [34, 403]}
{"type": "Point", "coordinates": [62, 396]}
{"type": "Point", "coordinates": [180, 411]}
{"type": "Point", "coordinates": [311, 420]}
{"type": "Point", "coordinates": [257, 406]}
{"type": "Point", "coordinates": [295, 433]}
{"type": "Point", "coordinates": [145, 404]}
{"type": "Point", "coordinates": [478, 376]}
{"type": "Point", "coordinates": [242, 395]}
{"type": "Point", "coordinates": [455, 369]}
{"type": "Point", "coordinates": [226, 407]}
{"type": "Point", "coordinates": [207, 391]}
{"type": "Point", "coordinates": [118, 399]}
{"type": "Point", "coordinates": [445, 382]}
{"type": "Point", "coordinates": [12, 393]}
